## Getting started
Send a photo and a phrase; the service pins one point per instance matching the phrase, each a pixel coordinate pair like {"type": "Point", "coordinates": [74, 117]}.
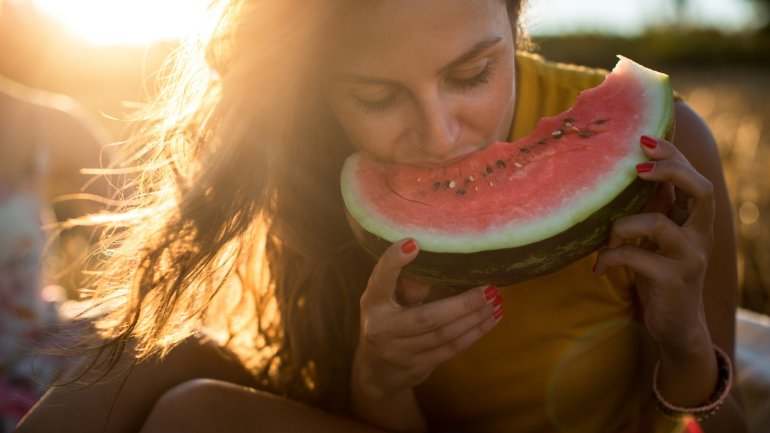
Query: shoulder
{"type": "Point", "coordinates": [694, 139]}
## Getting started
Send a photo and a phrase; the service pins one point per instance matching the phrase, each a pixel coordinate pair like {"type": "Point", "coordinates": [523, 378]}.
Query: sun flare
{"type": "Point", "coordinates": [120, 22]}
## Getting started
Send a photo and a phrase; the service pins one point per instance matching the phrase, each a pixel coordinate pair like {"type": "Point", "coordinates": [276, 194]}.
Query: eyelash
{"type": "Point", "coordinates": [378, 106]}
{"type": "Point", "coordinates": [462, 84]}
{"type": "Point", "coordinates": [475, 81]}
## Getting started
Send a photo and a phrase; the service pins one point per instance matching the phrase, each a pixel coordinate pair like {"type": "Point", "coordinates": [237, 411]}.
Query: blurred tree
{"type": "Point", "coordinates": [766, 5]}
{"type": "Point", "coordinates": [681, 10]}
{"type": "Point", "coordinates": [763, 11]}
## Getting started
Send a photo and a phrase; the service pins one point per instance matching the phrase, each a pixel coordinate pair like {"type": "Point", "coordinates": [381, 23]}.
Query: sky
{"type": "Point", "coordinates": [140, 22]}
{"type": "Point", "coordinates": [629, 17]}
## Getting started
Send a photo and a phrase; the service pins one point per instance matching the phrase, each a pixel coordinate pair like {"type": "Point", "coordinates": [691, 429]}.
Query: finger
{"type": "Point", "coordinates": [449, 350]}
{"type": "Point", "coordinates": [412, 292]}
{"type": "Point", "coordinates": [446, 334]}
{"type": "Point", "coordinates": [654, 227]}
{"type": "Point", "coordinates": [428, 317]}
{"type": "Point", "coordinates": [684, 206]}
{"type": "Point", "coordinates": [681, 209]}
{"type": "Point", "coordinates": [384, 277]}
{"type": "Point", "coordinates": [659, 149]}
{"type": "Point", "coordinates": [690, 186]}
{"type": "Point", "coordinates": [644, 263]}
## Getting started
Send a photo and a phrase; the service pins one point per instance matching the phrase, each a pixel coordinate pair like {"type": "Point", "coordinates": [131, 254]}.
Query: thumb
{"type": "Point", "coordinates": [412, 292]}
{"type": "Point", "coordinates": [384, 277]}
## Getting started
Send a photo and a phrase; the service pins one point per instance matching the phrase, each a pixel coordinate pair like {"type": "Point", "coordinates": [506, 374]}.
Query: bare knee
{"type": "Point", "coordinates": [207, 405]}
{"type": "Point", "coordinates": [194, 405]}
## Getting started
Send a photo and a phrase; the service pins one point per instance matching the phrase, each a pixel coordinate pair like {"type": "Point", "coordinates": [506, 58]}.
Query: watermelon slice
{"type": "Point", "coordinates": [515, 211]}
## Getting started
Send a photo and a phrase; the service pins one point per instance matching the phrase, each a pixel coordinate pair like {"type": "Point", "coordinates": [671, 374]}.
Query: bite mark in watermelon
{"type": "Point", "coordinates": [517, 210]}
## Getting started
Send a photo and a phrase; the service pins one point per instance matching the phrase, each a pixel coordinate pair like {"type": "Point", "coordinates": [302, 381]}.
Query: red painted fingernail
{"type": "Point", "coordinates": [408, 246]}
{"type": "Point", "coordinates": [648, 142]}
{"type": "Point", "coordinates": [497, 301]}
{"type": "Point", "coordinates": [645, 167]}
{"type": "Point", "coordinates": [490, 293]}
{"type": "Point", "coordinates": [498, 314]}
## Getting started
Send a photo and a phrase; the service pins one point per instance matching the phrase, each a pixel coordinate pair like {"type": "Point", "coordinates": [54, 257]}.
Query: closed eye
{"type": "Point", "coordinates": [378, 105]}
{"type": "Point", "coordinates": [464, 84]}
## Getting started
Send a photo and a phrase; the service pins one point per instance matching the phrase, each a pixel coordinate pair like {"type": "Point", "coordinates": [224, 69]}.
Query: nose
{"type": "Point", "coordinates": [438, 129]}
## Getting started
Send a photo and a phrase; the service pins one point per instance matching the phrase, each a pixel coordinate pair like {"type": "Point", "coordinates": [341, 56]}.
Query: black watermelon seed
{"type": "Point", "coordinates": [584, 133]}
{"type": "Point", "coordinates": [500, 163]}
{"type": "Point", "coordinates": [436, 186]}
{"type": "Point", "coordinates": [524, 150]}
{"type": "Point", "coordinates": [489, 169]}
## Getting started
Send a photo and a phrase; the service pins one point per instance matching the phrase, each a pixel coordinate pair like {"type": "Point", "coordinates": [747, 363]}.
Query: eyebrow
{"type": "Point", "coordinates": [474, 51]}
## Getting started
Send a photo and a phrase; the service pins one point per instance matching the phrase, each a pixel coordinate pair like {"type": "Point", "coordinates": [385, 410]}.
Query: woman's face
{"type": "Point", "coordinates": [422, 81]}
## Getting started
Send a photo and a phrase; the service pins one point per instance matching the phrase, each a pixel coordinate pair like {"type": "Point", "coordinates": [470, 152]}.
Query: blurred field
{"type": "Point", "coordinates": [735, 102]}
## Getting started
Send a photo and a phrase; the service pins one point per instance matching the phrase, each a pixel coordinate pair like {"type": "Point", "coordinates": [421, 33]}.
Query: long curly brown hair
{"type": "Point", "coordinates": [234, 223]}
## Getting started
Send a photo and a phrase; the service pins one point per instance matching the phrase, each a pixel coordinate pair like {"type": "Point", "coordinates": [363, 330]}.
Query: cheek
{"type": "Point", "coordinates": [372, 134]}
{"type": "Point", "coordinates": [492, 111]}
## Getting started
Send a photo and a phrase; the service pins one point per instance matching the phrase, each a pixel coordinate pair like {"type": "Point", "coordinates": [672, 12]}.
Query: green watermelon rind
{"type": "Point", "coordinates": [659, 108]}
{"type": "Point", "coordinates": [503, 267]}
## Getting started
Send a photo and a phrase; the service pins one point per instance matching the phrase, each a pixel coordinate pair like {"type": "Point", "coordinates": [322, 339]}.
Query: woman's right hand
{"type": "Point", "coordinates": [400, 345]}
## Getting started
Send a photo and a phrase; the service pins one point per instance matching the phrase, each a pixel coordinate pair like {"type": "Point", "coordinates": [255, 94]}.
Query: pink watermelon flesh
{"type": "Point", "coordinates": [510, 195]}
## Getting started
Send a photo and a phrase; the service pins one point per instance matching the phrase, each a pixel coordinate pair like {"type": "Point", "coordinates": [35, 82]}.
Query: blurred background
{"type": "Point", "coordinates": [104, 53]}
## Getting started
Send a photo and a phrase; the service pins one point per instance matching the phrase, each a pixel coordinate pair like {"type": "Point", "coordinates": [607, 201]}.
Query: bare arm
{"type": "Point", "coordinates": [686, 276]}
{"type": "Point", "coordinates": [720, 287]}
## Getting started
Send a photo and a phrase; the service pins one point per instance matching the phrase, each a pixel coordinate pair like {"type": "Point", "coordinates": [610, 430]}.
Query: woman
{"type": "Point", "coordinates": [238, 229]}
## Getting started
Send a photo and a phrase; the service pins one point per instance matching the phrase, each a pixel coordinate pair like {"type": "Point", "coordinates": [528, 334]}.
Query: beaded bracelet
{"type": "Point", "coordinates": [714, 403]}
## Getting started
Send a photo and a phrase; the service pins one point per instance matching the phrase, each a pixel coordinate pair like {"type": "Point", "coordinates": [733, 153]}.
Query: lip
{"type": "Point", "coordinates": [453, 159]}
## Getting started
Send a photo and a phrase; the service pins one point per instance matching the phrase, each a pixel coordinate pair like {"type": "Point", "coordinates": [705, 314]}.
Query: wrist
{"type": "Point", "coordinates": [364, 386]}
{"type": "Point", "coordinates": [366, 383]}
{"type": "Point", "coordinates": [384, 407]}
{"type": "Point", "coordinates": [707, 407]}
{"type": "Point", "coordinates": [686, 371]}
{"type": "Point", "coordinates": [692, 339]}
{"type": "Point", "coordinates": [375, 401]}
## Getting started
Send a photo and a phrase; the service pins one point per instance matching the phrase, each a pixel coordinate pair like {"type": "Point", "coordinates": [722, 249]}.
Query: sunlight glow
{"type": "Point", "coordinates": [121, 22]}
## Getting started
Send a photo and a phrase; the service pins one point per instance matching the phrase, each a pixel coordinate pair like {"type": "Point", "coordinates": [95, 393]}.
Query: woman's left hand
{"type": "Point", "coordinates": [676, 234]}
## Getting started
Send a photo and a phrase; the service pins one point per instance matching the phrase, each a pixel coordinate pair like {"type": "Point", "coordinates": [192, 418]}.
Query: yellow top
{"type": "Point", "coordinates": [568, 356]}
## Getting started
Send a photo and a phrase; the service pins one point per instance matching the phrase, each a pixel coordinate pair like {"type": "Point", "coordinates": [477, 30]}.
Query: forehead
{"type": "Point", "coordinates": [393, 34]}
